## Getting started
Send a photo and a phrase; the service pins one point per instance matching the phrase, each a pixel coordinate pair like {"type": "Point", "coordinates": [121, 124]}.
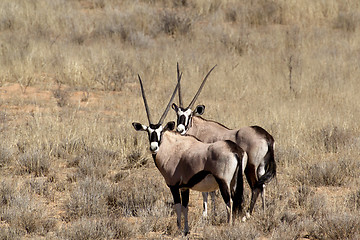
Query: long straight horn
{"type": "Point", "coordinates": [171, 100]}
{"type": "Point", "coordinates": [179, 89]}
{"type": "Point", "coordinates": [145, 102]}
{"type": "Point", "coordinates": [201, 86]}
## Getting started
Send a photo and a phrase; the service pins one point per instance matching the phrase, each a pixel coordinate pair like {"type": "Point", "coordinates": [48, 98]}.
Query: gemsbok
{"type": "Point", "coordinates": [187, 163]}
{"type": "Point", "coordinates": [254, 140]}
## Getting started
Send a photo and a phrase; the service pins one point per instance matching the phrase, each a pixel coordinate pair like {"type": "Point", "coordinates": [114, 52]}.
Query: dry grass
{"type": "Point", "coordinates": [71, 165]}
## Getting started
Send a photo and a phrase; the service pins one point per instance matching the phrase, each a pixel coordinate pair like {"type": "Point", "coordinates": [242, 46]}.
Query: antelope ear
{"type": "Point", "coordinates": [139, 126]}
{"type": "Point", "coordinates": [170, 126]}
{"type": "Point", "coordinates": [199, 110]}
{"type": "Point", "coordinates": [175, 107]}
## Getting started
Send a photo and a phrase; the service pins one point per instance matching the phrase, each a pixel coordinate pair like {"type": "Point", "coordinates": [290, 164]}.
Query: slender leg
{"type": "Point", "coordinates": [261, 172]}
{"type": "Point", "coordinates": [185, 201]}
{"type": "Point", "coordinates": [177, 203]}
{"type": "Point", "coordinates": [225, 193]}
{"type": "Point", "coordinates": [250, 174]}
{"type": "Point", "coordinates": [205, 197]}
{"type": "Point", "coordinates": [263, 198]}
{"type": "Point", "coordinates": [213, 205]}
{"type": "Point", "coordinates": [254, 195]}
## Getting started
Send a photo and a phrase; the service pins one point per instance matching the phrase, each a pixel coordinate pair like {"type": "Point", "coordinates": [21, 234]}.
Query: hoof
{"type": "Point", "coordinates": [246, 217]}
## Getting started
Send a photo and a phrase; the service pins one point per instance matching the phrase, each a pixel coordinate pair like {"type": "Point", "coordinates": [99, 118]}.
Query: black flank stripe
{"type": "Point", "coordinates": [198, 177]}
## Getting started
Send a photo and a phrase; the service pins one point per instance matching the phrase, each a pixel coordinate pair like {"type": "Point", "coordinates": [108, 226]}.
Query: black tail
{"type": "Point", "coordinates": [270, 167]}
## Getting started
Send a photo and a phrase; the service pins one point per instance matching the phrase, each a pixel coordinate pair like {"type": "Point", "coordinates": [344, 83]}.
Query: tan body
{"type": "Point", "coordinates": [254, 142]}
{"type": "Point", "coordinates": [181, 157]}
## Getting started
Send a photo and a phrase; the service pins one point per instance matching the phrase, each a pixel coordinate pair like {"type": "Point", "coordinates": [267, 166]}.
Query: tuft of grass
{"type": "Point", "coordinates": [328, 173]}
{"type": "Point", "coordinates": [88, 199]}
{"type": "Point", "coordinates": [334, 138]}
{"type": "Point", "coordinates": [136, 159]}
{"type": "Point", "coordinates": [347, 21]}
{"type": "Point", "coordinates": [303, 195]}
{"type": "Point", "coordinates": [24, 214]}
{"type": "Point", "coordinates": [97, 228]}
{"type": "Point", "coordinates": [353, 201]}
{"type": "Point", "coordinates": [6, 157]}
{"type": "Point", "coordinates": [42, 186]}
{"type": "Point", "coordinates": [264, 12]}
{"type": "Point", "coordinates": [172, 23]}
{"type": "Point", "coordinates": [95, 163]}
{"type": "Point", "coordinates": [140, 198]}
{"type": "Point", "coordinates": [245, 230]}
{"type": "Point", "coordinates": [61, 96]}
{"type": "Point", "coordinates": [33, 161]}
{"type": "Point", "coordinates": [338, 226]}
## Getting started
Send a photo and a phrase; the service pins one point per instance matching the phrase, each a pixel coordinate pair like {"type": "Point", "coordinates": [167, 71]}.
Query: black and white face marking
{"type": "Point", "coordinates": [183, 120]}
{"type": "Point", "coordinates": [154, 132]}
{"type": "Point", "coordinates": [184, 116]}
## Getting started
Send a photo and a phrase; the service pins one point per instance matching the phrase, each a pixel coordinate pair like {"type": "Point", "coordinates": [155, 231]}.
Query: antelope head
{"type": "Point", "coordinates": [184, 114]}
{"type": "Point", "coordinates": [155, 131]}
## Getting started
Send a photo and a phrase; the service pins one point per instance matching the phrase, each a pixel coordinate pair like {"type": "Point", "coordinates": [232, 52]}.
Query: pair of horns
{"type": "Point", "coordinates": [167, 107]}
{"type": "Point", "coordinates": [199, 90]}
{"type": "Point", "coordinates": [179, 75]}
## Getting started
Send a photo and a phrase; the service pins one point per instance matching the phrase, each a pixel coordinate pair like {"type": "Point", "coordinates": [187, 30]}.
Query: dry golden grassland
{"type": "Point", "coordinates": [72, 166]}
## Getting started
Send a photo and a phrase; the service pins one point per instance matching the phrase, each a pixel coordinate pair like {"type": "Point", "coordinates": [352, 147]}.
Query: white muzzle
{"type": "Point", "coordinates": [181, 129]}
{"type": "Point", "coordinates": [154, 147]}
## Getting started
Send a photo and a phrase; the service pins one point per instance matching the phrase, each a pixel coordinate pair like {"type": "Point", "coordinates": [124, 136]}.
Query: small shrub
{"type": "Point", "coordinates": [7, 192]}
{"type": "Point", "coordinates": [237, 44]}
{"type": "Point", "coordinates": [326, 173]}
{"type": "Point", "coordinates": [353, 201]}
{"type": "Point", "coordinates": [239, 230]}
{"type": "Point", "coordinates": [26, 214]}
{"type": "Point", "coordinates": [71, 146]}
{"type": "Point", "coordinates": [41, 186]}
{"type": "Point", "coordinates": [317, 206]}
{"type": "Point", "coordinates": [346, 21]}
{"type": "Point", "coordinates": [332, 138]}
{"type": "Point", "coordinates": [88, 199]}
{"type": "Point", "coordinates": [34, 161]}
{"type": "Point", "coordinates": [140, 198]}
{"type": "Point", "coordinates": [95, 163]}
{"type": "Point", "coordinates": [302, 195]}
{"type": "Point", "coordinates": [338, 226]}
{"type": "Point", "coordinates": [97, 228]}
{"type": "Point", "coordinates": [263, 12]}
{"type": "Point", "coordinates": [231, 15]}
{"type": "Point", "coordinates": [61, 96]}
{"type": "Point", "coordinates": [287, 156]}
{"type": "Point", "coordinates": [110, 73]}
{"type": "Point", "coordinates": [171, 23]}
{"type": "Point", "coordinates": [136, 159]}
{"type": "Point", "coordinates": [5, 157]}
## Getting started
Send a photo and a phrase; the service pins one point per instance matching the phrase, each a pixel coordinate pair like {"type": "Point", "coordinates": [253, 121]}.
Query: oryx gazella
{"type": "Point", "coordinates": [254, 140]}
{"type": "Point", "coordinates": [187, 163]}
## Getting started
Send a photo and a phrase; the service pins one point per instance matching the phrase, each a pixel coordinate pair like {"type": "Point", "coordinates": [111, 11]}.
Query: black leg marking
{"type": "Point", "coordinates": [176, 194]}
{"type": "Point", "coordinates": [224, 190]}
{"type": "Point", "coordinates": [185, 197]}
